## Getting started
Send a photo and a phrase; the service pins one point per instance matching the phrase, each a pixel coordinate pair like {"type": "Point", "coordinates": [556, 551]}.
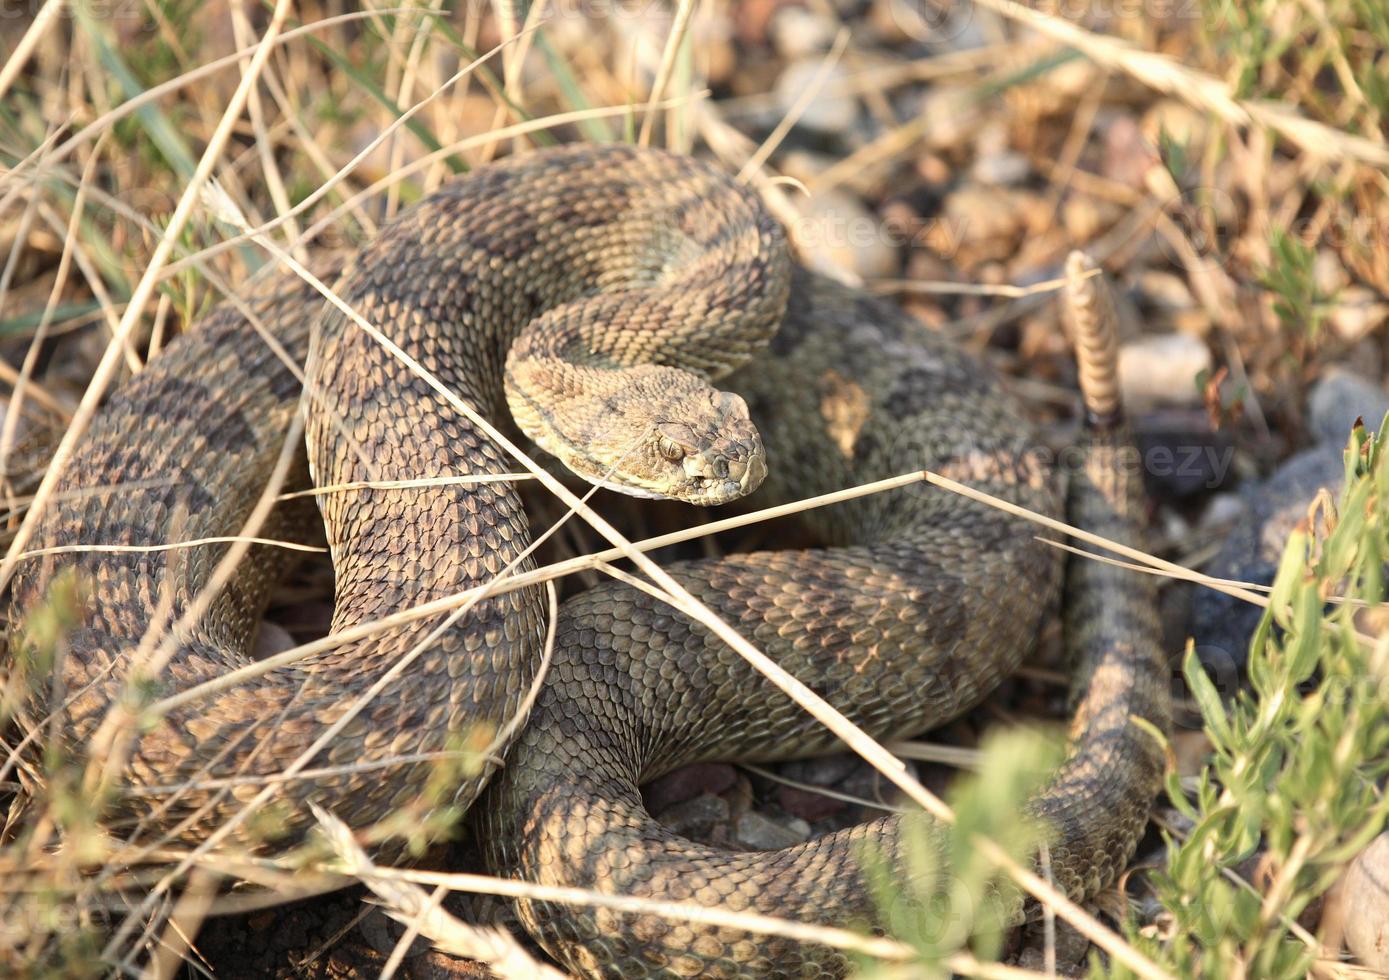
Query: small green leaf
{"type": "Point", "coordinates": [1207, 697]}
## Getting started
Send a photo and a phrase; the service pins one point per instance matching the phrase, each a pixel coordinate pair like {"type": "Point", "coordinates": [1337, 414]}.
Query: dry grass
{"type": "Point", "coordinates": [312, 135]}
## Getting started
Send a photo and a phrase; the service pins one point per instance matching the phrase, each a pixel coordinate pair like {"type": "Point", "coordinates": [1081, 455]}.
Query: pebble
{"type": "Point", "coordinates": [1222, 511]}
{"type": "Point", "coordinates": [1358, 311]}
{"type": "Point", "coordinates": [826, 112]}
{"type": "Point", "coordinates": [1086, 218]}
{"type": "Point", "coordinates": [825, 770]}
{"type": "Point", "coordinates": [1365, 900]}
{"type": "Point", "coordinates": [1222, 625]}
{"type": "Point", "coordinates": [798, 33]}
{"type": "Point", "coordinates": [1069, 948]}
{"type": "Point", "coordinates": [837, 232]}
{"type": "Point", "coordinates": [807, 804]}
{"type": "Point", "coordinates": [1328, 273]}
{"type": "Point", "coordinates": [866, 783]}
{"type": "Point", "coordinates": [271, 638]}
{"type": "Point", "coordinates": [952, 116]}
{"type": "Point", "coordinates": [1001, 169]}
{"type": "Point", "coordinates": [1165, 290]}
{"type": "Point", "coordinates": [382, 933]}
{"type": "Point", "coordinates": [938, 28]}
{"type": "Point", "coordinates": [1161, 369]}
{"type": "Point", "coordinates": [762, 833]}
{"type": "Point", "coordinates": [687, 783]}
{"type": "Point", "coordinates": [698, 818]}
{"type": "Point", "coordinates": [1337, 398]}
{"type": "Point", "coordinates": [979, 224]}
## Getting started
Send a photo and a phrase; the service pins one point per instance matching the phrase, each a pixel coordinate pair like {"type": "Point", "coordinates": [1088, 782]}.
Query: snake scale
{"type": "Point", "coordinates": [596, 291]}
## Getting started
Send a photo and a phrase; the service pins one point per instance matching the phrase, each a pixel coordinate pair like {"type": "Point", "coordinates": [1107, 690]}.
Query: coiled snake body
{"type": "Point", "coordinates": [596, 291]}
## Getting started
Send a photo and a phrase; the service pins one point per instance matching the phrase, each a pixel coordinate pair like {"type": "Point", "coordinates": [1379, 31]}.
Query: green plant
{"type": "Point", "coordinates": [1300, 305]}
{"type": "Point", "coordinates": [1291, 783]}
{"type": "Point", "coordinates": [954, 898]}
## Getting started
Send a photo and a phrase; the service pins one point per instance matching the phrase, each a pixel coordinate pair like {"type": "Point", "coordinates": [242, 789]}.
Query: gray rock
{"type": "Point", "coordinates": [700, 818]}
{"type": "Point", "coordinates": [799, 33]}
{"type": "Point", "coordinates": [1222, 513]}
{"type": "Point", "coordinates": [271, 638]}
{"type": "Point", "coordinates": [1358, 311]}
{"type": "Point", "coordinates": [1165, 290]}
{"type": "Point", "coordinates": [1328, 273]}
{"type": "Point", "coordinates": [1221, 624]}
{"type": "Point", "coordinates": [1364, 894]}
{"type": "Point", "coordinates": [825, 770]}
{"type": "Point", "coordinates": [808, 805]}
{"type": "Point", "coordinates": [1161, 369]}
{"type": "Point", "coordinates": [1338, 399]}
{"type": "Point", "coordinates": [382, 933]}
{"type": "Point", "coordinates": [686, 783]}
{"type": "Point", "coordinates": [762, 833]}
{"type": "Point", "coordinates": [1002, 169]}
{"type": "Point", "coordinates": [866, 783]}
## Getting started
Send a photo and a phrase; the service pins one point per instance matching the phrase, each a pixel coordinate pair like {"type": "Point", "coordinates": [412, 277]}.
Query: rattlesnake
{"type": "Point", "coordinates": [597, 290]}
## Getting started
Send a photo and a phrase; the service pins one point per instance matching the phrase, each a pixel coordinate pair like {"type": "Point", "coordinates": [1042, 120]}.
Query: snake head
{"type": "Point", "coordinates": [651, 431]}
{"type": "Point", "coordinates": [708, 450]}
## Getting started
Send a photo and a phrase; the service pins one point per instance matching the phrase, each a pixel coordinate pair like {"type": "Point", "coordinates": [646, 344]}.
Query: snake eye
{"type": "Point", "coordinates": [670, 449]}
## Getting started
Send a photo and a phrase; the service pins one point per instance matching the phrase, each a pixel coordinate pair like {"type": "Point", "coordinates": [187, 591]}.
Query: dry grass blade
{"type": "Point", "coordinates": [187, 915]}
{"type": "Point", "coordinates": [1004, 290]}
{"type": "Point", "coordinates": [428, 481]}
{"type": "Point", "coordinates": [888, 951]}
{"type": "Point", "coordinates": [678, 30]}
{"type": "Point", "coordinates": [879, 948]}
{"type": "Point", "coordinates": [409, 904]}
{"type": "Point", "coordinates": [153, 94]}
{"type": "Point", "coordinates": [45, 19]}
{"type": "Point", "coordinates": [146, 549]}
{"type": "Point", "coordinates": [546, 573]}
{"type": "Point", "coordinates": [788, 121]}
{"type": "Point", "coordinates": [1198, 89]}
{"type": "Point", "coordinates": [825, 791]}
{"type": "Point", "coordinates": [21, 382]}
{"type": "Point", "coordinates": [106, 369]}
{"type": "Point", "coordinates": [409, 169]}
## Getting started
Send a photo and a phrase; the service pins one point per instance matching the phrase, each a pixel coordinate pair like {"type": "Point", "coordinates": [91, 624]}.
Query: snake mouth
{"type": "Point", "coordinates": [731, 480]}
{"type": "Point", "coordinates": [626, 489]}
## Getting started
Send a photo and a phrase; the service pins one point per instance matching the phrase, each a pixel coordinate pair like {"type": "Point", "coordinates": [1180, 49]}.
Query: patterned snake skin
{"type": "Point", "coordinates": [536, 283]}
